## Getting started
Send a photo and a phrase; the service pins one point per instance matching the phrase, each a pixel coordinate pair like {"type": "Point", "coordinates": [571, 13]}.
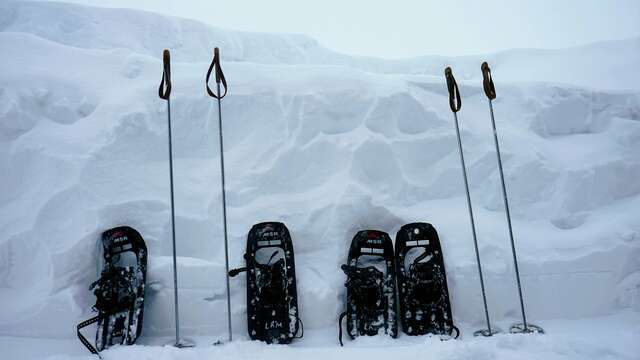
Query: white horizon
{"type": "Point", "coordinates": [401, 31]}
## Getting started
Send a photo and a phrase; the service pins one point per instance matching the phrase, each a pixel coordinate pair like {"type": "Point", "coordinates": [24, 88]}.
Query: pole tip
{"type": "Point", "coordinates": [447, 71]}
{"type": "Point", "coordinates": [165, 55]}
{"type": "Point", "coordinates": [484, 67]}
{"type": "Point", "coordinates": [216, 51]}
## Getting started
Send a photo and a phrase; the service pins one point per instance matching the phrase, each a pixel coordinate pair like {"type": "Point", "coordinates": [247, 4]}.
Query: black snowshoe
{"type": "Point", "coordinates": [119, 291]}
{"type": "Point", "coordinates": [422, 282]}
{"type": "Point", "coordinates": [272, 301]}
{"type": "Point", "coordinates": [371, 286]}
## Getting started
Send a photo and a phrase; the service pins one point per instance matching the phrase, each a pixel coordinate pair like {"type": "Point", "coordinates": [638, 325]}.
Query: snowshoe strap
{"type": "Point", "coordinates": [340, 327]}
{"type": "Point", "coordinates": [421, 257]}
{"type": "Point", "coordinates": [487, 81]}
{"type": "Point", "coordinates": [300, 328]}
{"type": "Point", "coordinates": [235, 272]}
{"type": "Point", "coordinates": [455, 328]}
{"type": "Point", "coordinates": [115, 290]}
{"type": "Point", "coordinates": [425, 286]}
{"type": "Point", "coordinates": [272, 257]}
{"type": "Point", "coordinates": [272, 282]}
{"type": "Point", "coordinates": [364, 282]}
{"type": "Point", "coordinates": [366, 285]}
{"type": "Point", "coordinates": [165, 84]}
{"type": "Point", "coordinates": [84, 340]}
{"type": "Point", "coordinates": [215, 63]}
{"type": "Point", "coordinates": [454, 95]}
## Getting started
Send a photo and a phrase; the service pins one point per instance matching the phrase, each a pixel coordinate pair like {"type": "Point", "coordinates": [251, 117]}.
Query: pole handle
{"type": "Point", "coordinates": [164, 90]}
{"type": "Point", "coordinates": [487, 81]}
{"type": "Point", "coordinates": [215, 64]}
{"type": "Point", "coordinates": [454, 94]}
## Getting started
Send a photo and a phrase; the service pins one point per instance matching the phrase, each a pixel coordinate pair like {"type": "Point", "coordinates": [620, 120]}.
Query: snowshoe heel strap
{"type": "Point", "coordinates": [455, 328]}
{"type": "Point", "coordinates": [299, 328]}
{"type": "Point", "coordinates": [342, 316]}
{"type": "Point", "coordinates": [84, 340]}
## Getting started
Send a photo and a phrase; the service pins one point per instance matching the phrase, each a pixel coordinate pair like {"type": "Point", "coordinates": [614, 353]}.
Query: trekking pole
{"type": "Point", "coordinates": [215, 63]}
{"type": "Point", "coordinates": [455, 103]}
{"type": "Point", "coordinates": [490, 91]}
{"type": "Point", "coordinates": [164, 91]}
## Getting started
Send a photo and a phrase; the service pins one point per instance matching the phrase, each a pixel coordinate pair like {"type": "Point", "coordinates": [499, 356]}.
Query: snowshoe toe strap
{"type": "Point", "coordinates": [365, 283]}
{"type": "Point", "coordinates": [115, 290]}
{"type": "Point", "coordinates": [272, 283]}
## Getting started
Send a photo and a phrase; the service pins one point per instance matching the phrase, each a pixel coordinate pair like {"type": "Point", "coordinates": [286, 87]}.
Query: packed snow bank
{"type": "Point", "coordinates": [327, 144]}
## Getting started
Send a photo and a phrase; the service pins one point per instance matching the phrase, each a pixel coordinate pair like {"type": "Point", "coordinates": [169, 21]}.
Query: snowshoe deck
{"type": "Point", "coordinates": [422, 282]}
{"type": "Point", "coordinates": [120, 290]}
{"type": "Point", "coordinates": [371, 286]}
{"type": "Point", "coordinates": [272, 301]}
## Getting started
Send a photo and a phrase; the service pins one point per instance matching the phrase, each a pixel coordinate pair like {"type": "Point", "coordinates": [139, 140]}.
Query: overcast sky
{"type": "Point", "coordinates": [403, 28]}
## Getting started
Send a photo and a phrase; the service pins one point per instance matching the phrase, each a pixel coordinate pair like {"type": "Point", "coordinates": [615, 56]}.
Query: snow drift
{"type": "Point", "coordinates": [328, 144]}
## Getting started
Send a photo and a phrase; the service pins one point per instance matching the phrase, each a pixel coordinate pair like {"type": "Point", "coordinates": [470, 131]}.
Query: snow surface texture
{"type": "Point", "coordinates": [326, 143]}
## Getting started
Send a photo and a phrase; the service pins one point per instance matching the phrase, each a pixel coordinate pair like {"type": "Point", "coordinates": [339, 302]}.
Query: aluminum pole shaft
{"type": "Point", "coordinates": [224, 214]}
{"type": "Point", "coordinates": [506, 208]}
{"type": "Point", "coordinates": [473, 226]}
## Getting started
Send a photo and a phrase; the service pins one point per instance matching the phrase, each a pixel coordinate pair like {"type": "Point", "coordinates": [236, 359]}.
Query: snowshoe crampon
{"type": "Point", "coordinates": [422, 282]}
{"type": "Point", "coordinates": [272, 301]}
{"type": "Point", "coordinates": [119, 291]}
{"type": "Point", "coordinates": [371, 286]}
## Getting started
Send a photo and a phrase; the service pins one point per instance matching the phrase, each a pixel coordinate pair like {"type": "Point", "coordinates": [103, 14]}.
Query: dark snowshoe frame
{"type": "Point", "coordinates": [119, 291]}
{"type": "Point", "coordinates": [422, 286]}
{"type": "Point", "coordinates": [371, 294]}
{"type": "Point", "coordinates": [272, 301]}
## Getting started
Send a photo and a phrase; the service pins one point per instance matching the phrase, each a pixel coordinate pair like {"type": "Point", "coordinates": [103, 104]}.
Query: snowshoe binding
{"type": "Point", "coordinates": [272, 301]}
{"type": "Point", "coordinates": [371, 286]}
{"type": "Point", "coordinates": [119, 291]}
{"type": "Point", "coordinates": [422, 282]}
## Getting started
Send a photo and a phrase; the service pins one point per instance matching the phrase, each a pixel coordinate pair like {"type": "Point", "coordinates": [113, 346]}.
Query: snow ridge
{"type": "Point", "coordinates": [599, 65]}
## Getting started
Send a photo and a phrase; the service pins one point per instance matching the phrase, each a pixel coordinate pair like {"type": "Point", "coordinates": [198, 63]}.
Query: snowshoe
{"type": "Point", "coordinates": [371, 286]}
{"type": "Point", "coordinates": [119, 291]}
{"type": "Point", "coordinates": [422, 282]}
{"type": "Point", "coordinates": [272, 301]}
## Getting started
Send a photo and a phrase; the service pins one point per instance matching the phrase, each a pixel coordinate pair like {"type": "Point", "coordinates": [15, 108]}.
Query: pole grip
{"type": "Point", "coordinates": [219, 75]}
{"type": "Point", "coordinates": [164, 90]}
{"type": "Point", "coordinates": [487, 81]}
{"type": "Point", "coordinates": [455, 103]}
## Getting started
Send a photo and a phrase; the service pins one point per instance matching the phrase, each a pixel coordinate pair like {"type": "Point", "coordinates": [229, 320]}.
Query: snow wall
{"type": "Point", "coordinates": [328, 144]}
